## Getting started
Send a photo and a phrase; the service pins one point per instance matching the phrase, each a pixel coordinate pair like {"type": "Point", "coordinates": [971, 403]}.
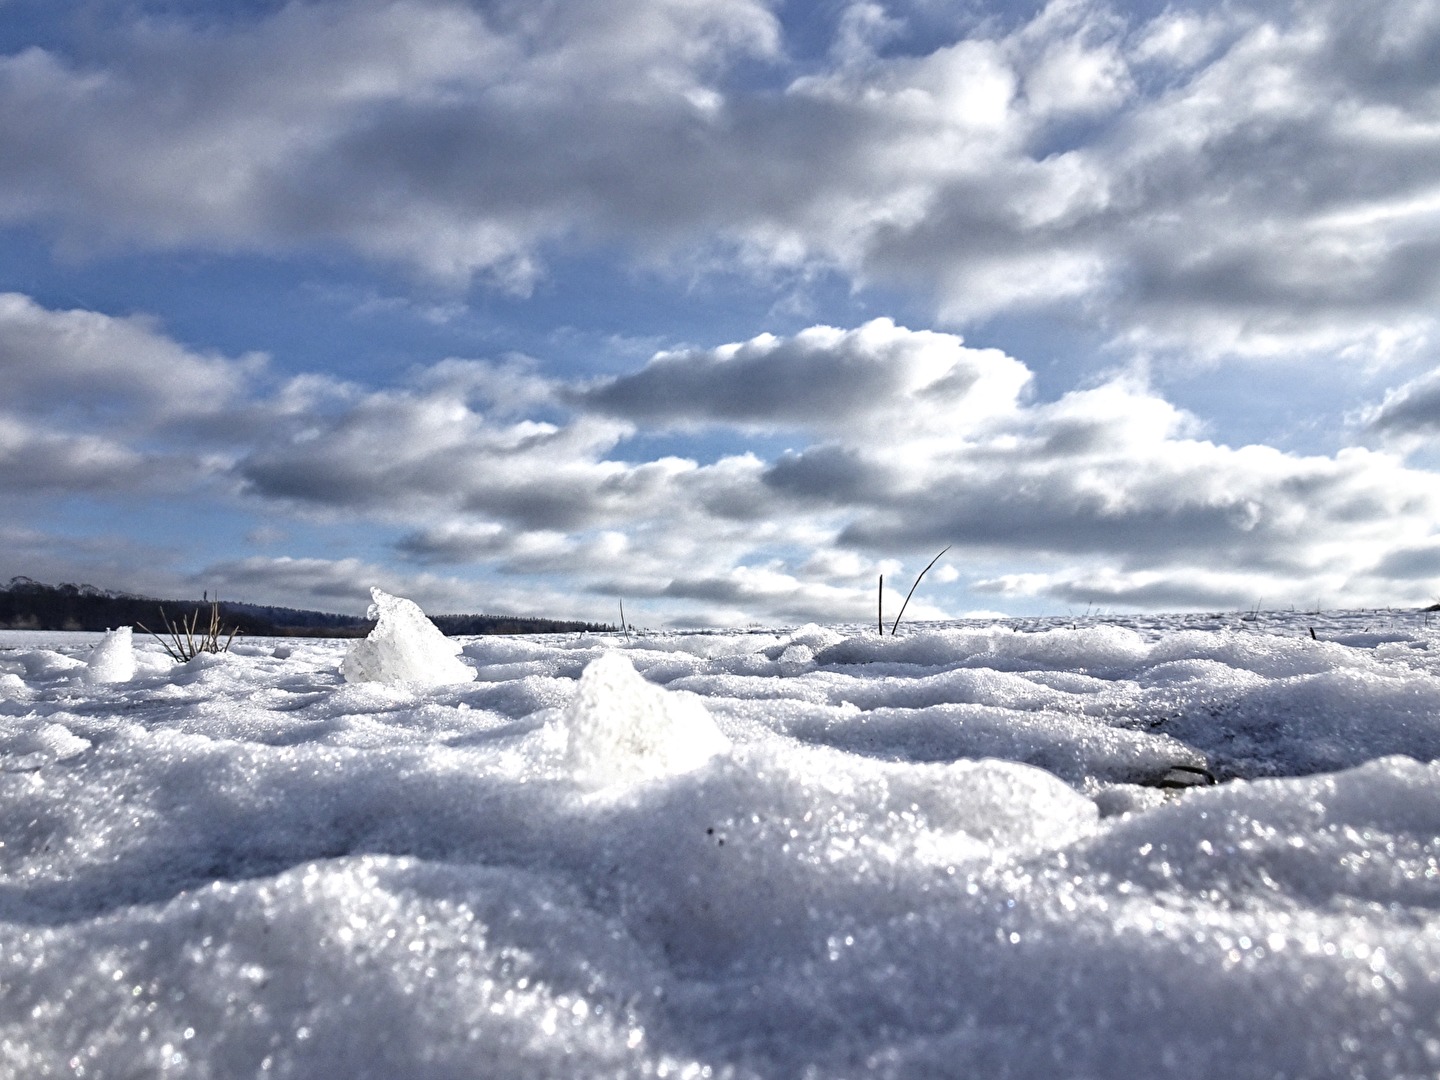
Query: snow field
{"type": "Point", "coordinates": [809, 853]}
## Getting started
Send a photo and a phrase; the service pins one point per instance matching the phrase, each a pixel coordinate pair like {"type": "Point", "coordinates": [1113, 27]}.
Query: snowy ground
{"type": "Point", "coordinates": [934, 855]}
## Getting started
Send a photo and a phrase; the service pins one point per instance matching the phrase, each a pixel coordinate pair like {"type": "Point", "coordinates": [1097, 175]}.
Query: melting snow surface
{"type": "Point", "coordinates": [815, 853]}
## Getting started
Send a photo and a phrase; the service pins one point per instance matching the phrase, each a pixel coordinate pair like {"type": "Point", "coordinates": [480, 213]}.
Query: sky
{"type": "Point", "coordinates": [724, 308]}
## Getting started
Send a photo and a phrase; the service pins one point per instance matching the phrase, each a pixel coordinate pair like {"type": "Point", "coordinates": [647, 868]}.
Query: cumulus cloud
{"type": "Point", "coordinates": [94, 403]}
{"type": "Point", "coordinates": [1110, 480]}
{"type": "Point", "coordinates": [821, 379]}
{"type": "Point", "coordinates": [744, 589]}
{"type": "Point", "coordinates": [103, 368]}
{"type": "Point", "coordinates": [1421, 562]}
{"type": "Point", "coordinates": [1253, 180]}
{"type": "Point", "coordinates": [431, 132]}
{"type": "Point", "coordinates": [1110, 469]}
{"type": "Point", "coordinates": [34, 460]}
{"type": "Point", "coordinates": [498, 473]}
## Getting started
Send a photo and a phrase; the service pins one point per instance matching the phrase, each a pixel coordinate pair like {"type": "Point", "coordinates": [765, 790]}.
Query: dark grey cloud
{"type": "Point", "coordinates": [1182, 502]}
{"type": "Point", "coordinates": [456, 545]}
{"type": "Point", "coordinates": [398, 453]}
{"type": "Point", "coordinates": [1412, 409]}
{"type": "Point", "coordinates": [34, 461]}
{"type": "Point", "coordinates": [1411, 563]}
{"type": "Point", "coordinates": [828, 473]}
{"type": "Point", "coordinates": [1166, 594]}
{"type": "Point", "coordinates": [336, 584]}
{"type": "Point", "coordinates": [343, 585]}
{"type": "Point", "coordinates": [748, 589]}
{"type": "Point", "coordinates": [761, 383]}
{"type": "Point", "coordinates": [823, 378]}
{"type": "Point", "coordinates": [92, 403]}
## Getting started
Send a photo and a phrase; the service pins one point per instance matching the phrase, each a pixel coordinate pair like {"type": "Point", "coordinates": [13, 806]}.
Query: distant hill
{"type": "Point", "coordinates": [30, 605]}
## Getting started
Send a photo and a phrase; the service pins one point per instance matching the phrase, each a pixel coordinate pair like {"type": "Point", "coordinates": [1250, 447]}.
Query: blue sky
{"type": "Point", "coordinates": [723, 306]}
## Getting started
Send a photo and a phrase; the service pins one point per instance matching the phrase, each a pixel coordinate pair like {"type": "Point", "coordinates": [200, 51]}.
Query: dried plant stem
{"type": "Point", "coordinates": [195, 640]}
{"type": "Point", "coordinates": [880, 607]}
{"type": "Point", "coordinates": [911, 593]}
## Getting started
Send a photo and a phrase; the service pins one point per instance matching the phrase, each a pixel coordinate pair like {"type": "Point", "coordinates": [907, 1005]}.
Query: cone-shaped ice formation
{"type": "Point", "coordinates": [113, 659]}
{"type": "Point", "coordinates": [620, 728]}
{"type": "Point", "coordinates": [405, 646]}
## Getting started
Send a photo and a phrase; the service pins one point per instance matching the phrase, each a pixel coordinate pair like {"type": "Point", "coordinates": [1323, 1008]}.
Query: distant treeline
{"type": "Point", "coordinates": [29, 605]}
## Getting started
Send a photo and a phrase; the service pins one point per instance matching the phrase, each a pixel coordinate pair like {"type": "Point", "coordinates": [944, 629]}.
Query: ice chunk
{"type": "Point", "coordinates": [405, 646]}
{"type": "Point", "coordinates": [113, 659]}
{"type": "Point", "coordinates": [621, 729]}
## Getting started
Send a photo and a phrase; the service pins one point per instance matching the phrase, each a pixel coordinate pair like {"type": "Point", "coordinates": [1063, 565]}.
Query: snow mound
{"type": "Point", "coordinates": [405, 646]}
{"type": "Point", "coordinates": [27, 745]}
{"type": "Point", "coordinates": [815, 637]}
{"type": "Point", "coordinates": [621, 729]}
{"type": "Point", "coordinates": [113, 659]}
{"type": "Point", "coordinates": [797, 654]}
{"type": "Point", "coordinates": [1001, 804]}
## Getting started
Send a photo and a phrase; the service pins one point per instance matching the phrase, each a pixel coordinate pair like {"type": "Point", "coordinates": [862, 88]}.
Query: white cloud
{"type": "Point", "coordinates": [1179, 39]}
{"type": "Point", "coordinates": [33, 459]}
{"type": "Point", "coordinates": [1251, 181]}
{"type": "Point", "coordinates": [97, 403]}
{"type": "Point", "coordinates": [1177, 589]}
{"type": "Point", "coordinates": [1074, 78]}
{"type": "Point", "coordinates": [1109, 493]}
{"type": "Point", "coordinates": [1111, 480]}
{"type": "Point", "coordinates": [104, 367]}
{"type": "Point", "coordinates": [422, 131]}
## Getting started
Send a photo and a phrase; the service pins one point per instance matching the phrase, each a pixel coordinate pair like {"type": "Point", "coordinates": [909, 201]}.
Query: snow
{"type": "Point", "coordinates": [620, 729]}
{"type": "Point", "coordinates": [113, 659]}
{"type": "Point", "coordinates": [806, 853]}
{"type": "Point", "coordinates": [405, 646]}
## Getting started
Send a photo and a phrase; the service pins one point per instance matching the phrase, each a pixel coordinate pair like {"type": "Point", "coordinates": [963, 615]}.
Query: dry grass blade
{"type": "Point", "coordinates": [911, 593]}
{"type": "Point", "coordinates": [195, 641]}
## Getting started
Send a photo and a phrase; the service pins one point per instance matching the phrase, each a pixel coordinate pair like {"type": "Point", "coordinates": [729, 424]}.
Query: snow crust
{"type": "Point", "coordinates": [405, 646]}
{"type": "Point", "coordinates": [812, 853]}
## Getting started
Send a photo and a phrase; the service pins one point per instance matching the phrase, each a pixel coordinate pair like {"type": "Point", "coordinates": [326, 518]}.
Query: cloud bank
{"type": "Point", "coordinates": [1108, 494]}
